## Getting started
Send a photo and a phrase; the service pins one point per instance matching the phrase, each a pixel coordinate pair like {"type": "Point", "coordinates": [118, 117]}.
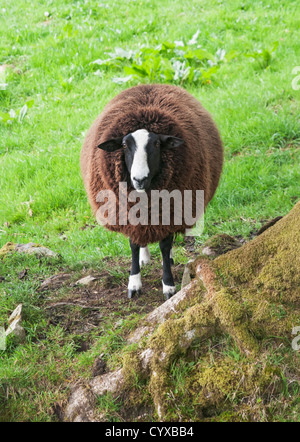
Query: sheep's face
{"type": "Point", "coordinates": [142, 151]}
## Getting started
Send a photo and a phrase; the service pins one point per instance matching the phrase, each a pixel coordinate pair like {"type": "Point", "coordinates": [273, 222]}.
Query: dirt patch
{"type": "Point", "coordinates": [82, 308]}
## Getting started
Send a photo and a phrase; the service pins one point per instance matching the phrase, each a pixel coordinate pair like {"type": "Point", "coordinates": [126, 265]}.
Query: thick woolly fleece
{"type": "Point", "coordinates": [162, 109]}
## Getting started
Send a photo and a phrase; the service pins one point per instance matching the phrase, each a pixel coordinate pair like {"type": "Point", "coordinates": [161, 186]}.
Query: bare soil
{"type": "Point", "coordinates": [81, 308]}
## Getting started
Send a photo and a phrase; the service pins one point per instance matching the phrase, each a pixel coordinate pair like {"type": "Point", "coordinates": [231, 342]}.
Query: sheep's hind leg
{"type": "Point", "coordinates": [135, 281]}
{"type": "Point", "coordinates": [168, 281]}
{"type": "Point", "coordinates": [144, 256]}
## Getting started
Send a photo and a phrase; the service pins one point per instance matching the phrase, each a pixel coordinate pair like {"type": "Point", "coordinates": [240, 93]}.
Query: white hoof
{"type": "Point", "coordinates": [144, 256]}
{"type": "Point", "coordinates": [135, 282]}
{"type": "Point", "coordinates": [134, 285]}
{"type": "Point", "coordinates": [168, 290]}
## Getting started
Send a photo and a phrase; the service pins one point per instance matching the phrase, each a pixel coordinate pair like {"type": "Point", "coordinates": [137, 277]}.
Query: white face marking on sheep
{"type": "Point", "coordinates": [140, 168]}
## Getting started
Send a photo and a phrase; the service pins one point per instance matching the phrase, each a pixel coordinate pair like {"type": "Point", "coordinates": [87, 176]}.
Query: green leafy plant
{"type": "Point", "coordinates": [177, 63]}
{"type": "Point", "coordinates": [12, 115]}
{"type": "Point", "coordinates": [263, 57]}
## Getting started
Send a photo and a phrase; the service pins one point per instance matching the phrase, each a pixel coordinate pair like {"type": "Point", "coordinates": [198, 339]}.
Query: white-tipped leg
{"type": "Point", "coordinates": [134, 285]}
{"type": "Point", "coordinates": [168, 290]}
{"type": "Point", "coordinates": [144, 256]}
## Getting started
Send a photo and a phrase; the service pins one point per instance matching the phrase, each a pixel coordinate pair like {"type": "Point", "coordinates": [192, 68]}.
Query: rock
{"type": "Point", "coordinates": [7, 248]}
{"type": "Point", "coordinates": [17, 330]}
{"type": "Point", "coordinates": [81, 406]}
{"type": "Point", "coordinates": [15, 327]}
{"type": "Point", "coordinates": [159, 315]}
{"type": "Point", "coordinates": [2, 339]}
{"type": "Point", "coordinates": [16, 314]}
{"type": "Point", "coordinates": [86, 280]}
{"type": "Point", "coordinates": [109, 382]}
{"type": "Point", "coordinates": [187, 273]}
{"type": "Point", "coordinates": [35, 249]}
{"type": "Point", "coordinates": [30, 248]}
{"type": "Point", "coordinates": [220, 244]}
{"type": "Point", "coordinates": [186, 277]}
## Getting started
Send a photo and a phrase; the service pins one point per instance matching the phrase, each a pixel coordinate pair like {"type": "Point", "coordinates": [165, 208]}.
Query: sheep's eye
{"type": "Point", "coordinates": [124, 144]}
{"type": "Point", "coordinates": [157, 143]}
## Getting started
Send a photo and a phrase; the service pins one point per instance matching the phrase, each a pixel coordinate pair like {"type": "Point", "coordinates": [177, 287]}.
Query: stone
{"type": "Point", "coordinates": [187, 273]}
{"type": "Point", "coordinates": [17, 330]}
{"type": "Point", "coordinates": [35, 249]}
{"type": "Point", "coordinates": [86, 280]}
{"type": "Point", "coordinates": [15, 326]}
{"type": "Point", "coordinates": [109, 382]}
{"type": "Point", "coordinates": [81, 405]}
{"type": "Point", "coordinates": [16, 314]}
{"type": "Point", "coordinates": [30, 248]}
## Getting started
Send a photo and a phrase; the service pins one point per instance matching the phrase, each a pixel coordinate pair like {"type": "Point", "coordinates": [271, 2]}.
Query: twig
{"type": "Point", "coordinates": [59, 304]}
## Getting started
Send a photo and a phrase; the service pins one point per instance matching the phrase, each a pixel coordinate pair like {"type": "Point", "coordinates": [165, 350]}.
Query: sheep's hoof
{"type": "Point", "coordinates": [132, 293]}
{"type": "Point", "coordinates": [168, 291]}
{"type": "Point", "coordinates": [171, 261]}
{"type": "Point", "coordinates": [168, 295]}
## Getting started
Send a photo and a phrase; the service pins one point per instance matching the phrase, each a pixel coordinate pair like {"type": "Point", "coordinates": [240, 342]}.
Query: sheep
{"type": "Point", "coordinates": [151, 137]}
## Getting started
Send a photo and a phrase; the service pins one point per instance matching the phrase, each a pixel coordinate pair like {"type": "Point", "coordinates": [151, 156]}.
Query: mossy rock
{"type": "Point", "coordinates": [9, 247]}
{"type": "Point", "coordinates": [30, 249]}
{"type": "Point", "coordinates": [263, 276]}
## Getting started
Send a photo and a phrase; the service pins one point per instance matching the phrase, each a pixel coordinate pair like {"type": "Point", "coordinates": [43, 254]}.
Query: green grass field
{"type": "Point", "coordinates": [51, 90]}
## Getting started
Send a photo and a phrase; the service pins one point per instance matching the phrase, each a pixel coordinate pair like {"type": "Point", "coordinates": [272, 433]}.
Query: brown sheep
{"type": "Point", "coordinates": [151, 137]}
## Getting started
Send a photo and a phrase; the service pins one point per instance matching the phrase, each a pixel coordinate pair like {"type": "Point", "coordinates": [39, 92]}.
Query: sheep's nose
{"type": "Point", "coordinates": [140, 182]}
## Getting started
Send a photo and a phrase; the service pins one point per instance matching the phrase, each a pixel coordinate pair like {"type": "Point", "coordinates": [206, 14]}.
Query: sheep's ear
{"type": "Point", "coordinates": [170, 142]}
{"type": "Point", "coordinates": [111, 145]}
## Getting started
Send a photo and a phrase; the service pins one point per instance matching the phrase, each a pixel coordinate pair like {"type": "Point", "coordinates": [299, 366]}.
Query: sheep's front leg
{"type": "Point", "coordinates": [168, 281]}
{"type": "Point", "coordinates": [135, 281]}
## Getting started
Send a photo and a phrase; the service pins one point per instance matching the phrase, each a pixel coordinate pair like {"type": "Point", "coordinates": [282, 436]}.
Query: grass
{"type": "Point", "coordinates": [53, 93]}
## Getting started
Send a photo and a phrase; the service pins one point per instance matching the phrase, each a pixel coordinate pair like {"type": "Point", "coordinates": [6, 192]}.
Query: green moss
{"type": "Point", "coordinates": [233, 317]}
{"type": "Point", "coordinates": [171, 340]}
{"type": "Point", "coordinates": [227, 381]}
{"type": "Point", "coordinates": [264, 275]}
{"type": "Point", "coordinates": [7, 248]}
{"type": "Point", "coordinates": [132, 370]}
{"type": "Point", "coordinates": [227, 416]}
{"type": "Point", "coordinates": [135, 393]}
